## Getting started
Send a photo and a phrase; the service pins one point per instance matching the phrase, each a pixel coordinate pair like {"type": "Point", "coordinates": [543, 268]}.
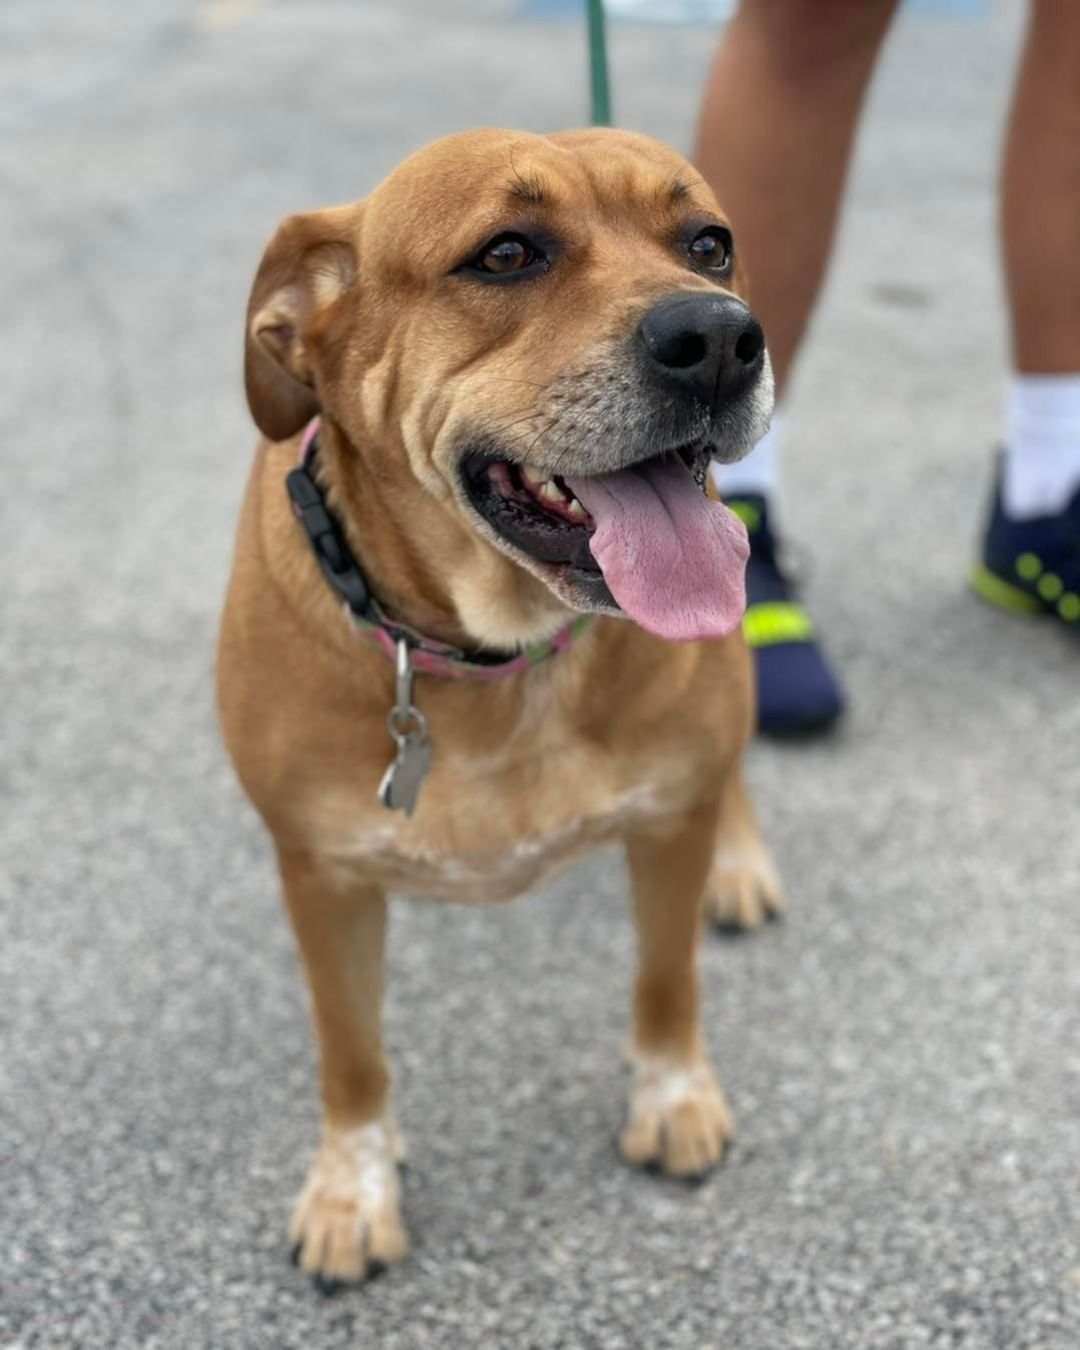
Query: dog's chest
{"type": "Point", "coordinates": [484, 833]}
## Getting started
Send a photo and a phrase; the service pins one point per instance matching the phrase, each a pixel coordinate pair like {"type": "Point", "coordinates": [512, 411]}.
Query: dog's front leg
{"type": "Point", "coordinates": [677, 1117]}
{"type": "Point", "coordinates": [743, 889]}
{"type": "Point", "coordinates": [347, 1219]}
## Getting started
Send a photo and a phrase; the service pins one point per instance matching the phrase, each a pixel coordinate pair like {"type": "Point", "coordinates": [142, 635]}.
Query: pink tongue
{"type": "Point", "coordinates": [673, 559]}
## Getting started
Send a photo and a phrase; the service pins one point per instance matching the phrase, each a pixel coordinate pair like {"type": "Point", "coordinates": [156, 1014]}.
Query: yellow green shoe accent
{"type": "Point", "coordinates": [1028, 566]}
{"type": "Point", "coordinates": [775, 621]}
{"type": "Point", "coordinates": [747, 512]}
{"type": "Point", "coordinates": [1002, 593]}
{"type": "Point", "coordinates": [1069, 607]}
{"type": "Point", "coordinates": [1050, 586]}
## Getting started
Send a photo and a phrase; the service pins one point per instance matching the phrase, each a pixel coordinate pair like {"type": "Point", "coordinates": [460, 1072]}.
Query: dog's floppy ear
{"type": "Point", "coordinates": [309, 263]}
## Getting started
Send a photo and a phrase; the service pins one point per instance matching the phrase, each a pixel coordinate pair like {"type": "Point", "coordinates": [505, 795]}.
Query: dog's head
{"type": "Point", "coordinates": [538, 342]}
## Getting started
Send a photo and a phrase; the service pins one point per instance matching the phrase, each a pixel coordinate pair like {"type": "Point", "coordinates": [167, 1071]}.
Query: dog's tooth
{"type": "Point", "coordinates": [576, 509]}
{"type": "Point", "coordinates": [532, 475]}
{"type": "Point", "coordinates": [552, 491]}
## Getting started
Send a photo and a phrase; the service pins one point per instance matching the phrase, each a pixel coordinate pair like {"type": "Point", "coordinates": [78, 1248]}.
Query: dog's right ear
{"type": "Point", "coordinates": [309, 263]}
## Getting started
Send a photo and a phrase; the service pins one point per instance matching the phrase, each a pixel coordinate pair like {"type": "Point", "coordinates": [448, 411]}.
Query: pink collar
{"type": "Point", "coordinates": [362, 610]}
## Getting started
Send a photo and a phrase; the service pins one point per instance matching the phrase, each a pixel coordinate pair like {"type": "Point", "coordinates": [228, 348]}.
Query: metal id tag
{"type": "Point", "coordinates": [402, 781]}
{"type": "Point", "coordinates": [404, 778]}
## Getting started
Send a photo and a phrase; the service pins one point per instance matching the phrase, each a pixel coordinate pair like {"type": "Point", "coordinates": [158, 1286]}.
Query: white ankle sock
{"type": "Point", "coordinates": [759, 471]}
{"type": "Point", "coordinates": [1042, 439]}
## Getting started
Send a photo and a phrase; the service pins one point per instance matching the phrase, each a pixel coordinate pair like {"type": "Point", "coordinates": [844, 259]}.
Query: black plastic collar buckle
{"type": "Point", "coordinates": [332, 554]}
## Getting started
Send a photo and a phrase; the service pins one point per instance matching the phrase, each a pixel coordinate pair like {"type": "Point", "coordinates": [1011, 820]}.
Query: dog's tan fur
{"type": "Point", "coordinates": [354, 314]}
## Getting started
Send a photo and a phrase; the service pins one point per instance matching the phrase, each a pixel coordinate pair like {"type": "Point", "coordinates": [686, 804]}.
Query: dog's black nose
{"type": "Point", "coordinates": [710, 346]}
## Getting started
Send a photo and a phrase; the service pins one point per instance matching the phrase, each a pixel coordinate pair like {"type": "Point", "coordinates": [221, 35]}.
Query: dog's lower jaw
{"type": "Point", "coordinates": [534, 614]}
{"type": "Point", "coordinates": [347, 1221]}
{"type": "Point", "coordinates": [513, 601]}
{"type": "Point", "coordinates": [549, 594]}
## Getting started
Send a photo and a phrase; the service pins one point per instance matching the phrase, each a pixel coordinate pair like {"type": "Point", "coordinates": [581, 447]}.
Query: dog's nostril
{"type": "Point", "coordinates": [748, 348]}
{"type": "Point", "coordinates": [683, 350]}
{"type": "Point", "coordinates": [709, 346]}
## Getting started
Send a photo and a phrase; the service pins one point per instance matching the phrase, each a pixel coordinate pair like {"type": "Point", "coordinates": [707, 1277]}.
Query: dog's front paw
{"type": "Point", "coordinates": [743, 890]}
{"type": "Point", "coordinates": [678, 1117]}
{"type": "Point", "coordinates": [347, 1221]}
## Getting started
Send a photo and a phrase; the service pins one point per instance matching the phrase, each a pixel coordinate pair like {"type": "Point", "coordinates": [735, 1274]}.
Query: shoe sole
{"type": "Point", "coordinates": [801, 729]}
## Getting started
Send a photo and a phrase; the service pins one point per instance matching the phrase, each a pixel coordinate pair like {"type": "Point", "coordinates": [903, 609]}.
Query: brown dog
{"type": "Point", "coordinates": [523, 351]}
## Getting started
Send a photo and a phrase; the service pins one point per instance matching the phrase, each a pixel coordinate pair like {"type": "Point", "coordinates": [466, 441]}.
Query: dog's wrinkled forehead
{"type": "Point", "coordinates": [448, 197]}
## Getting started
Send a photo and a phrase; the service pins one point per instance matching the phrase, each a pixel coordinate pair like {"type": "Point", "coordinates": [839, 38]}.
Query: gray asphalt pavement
{"type": "Point", "coordinates": [903, 1054]}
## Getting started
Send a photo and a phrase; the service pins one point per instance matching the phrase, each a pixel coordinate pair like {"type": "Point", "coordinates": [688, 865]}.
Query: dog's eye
{"type": "Point", "coordinates": [711, 250]}
{"type": "Point", "coordinates": [506, 255]}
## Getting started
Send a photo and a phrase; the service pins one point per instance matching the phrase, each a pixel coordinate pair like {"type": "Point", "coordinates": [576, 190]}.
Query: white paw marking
{"type": "Point", "coordinates": [660, 1084]}
{"type": "Point", "coordinates": [360, 1163]}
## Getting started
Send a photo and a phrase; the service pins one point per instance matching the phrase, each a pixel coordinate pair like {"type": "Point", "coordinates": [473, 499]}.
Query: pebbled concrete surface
{"type": "Point", "coordinates": [903, 1054]}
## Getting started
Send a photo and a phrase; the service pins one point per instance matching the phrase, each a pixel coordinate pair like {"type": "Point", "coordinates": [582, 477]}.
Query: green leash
{"type": "Point", "coordinates": [599, 87]}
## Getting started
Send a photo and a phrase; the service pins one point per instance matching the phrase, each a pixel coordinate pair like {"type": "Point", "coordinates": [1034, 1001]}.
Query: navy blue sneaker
{"type": "Point", "coordinates": [1032, 566]}
{"type": "Point", "coordinates": [797, 692]}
